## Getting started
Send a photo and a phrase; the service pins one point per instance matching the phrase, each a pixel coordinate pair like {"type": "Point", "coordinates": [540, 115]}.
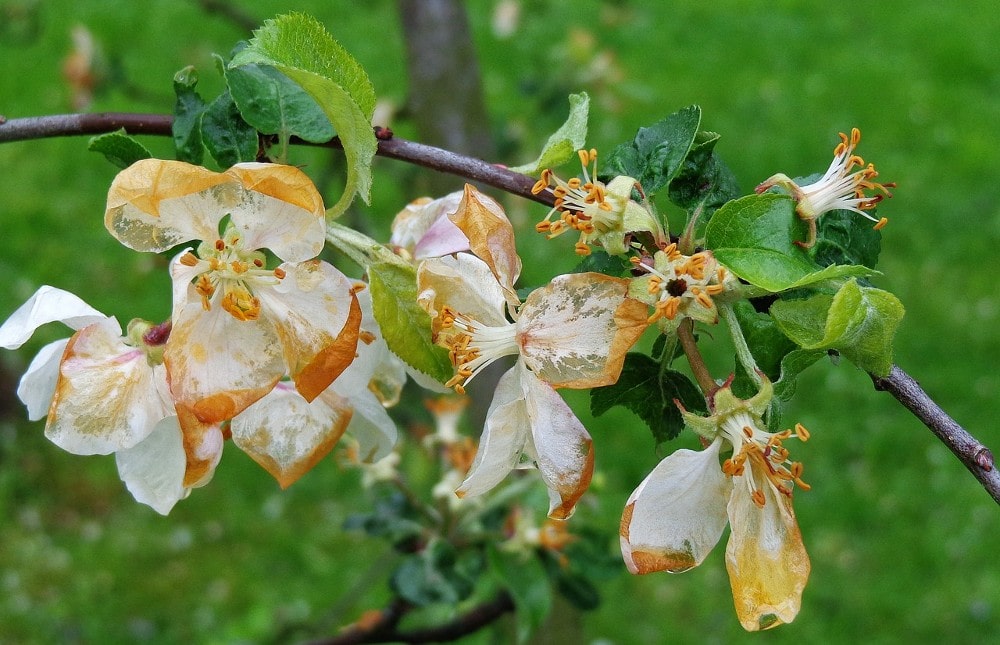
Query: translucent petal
{"type": "Point", "coordinates": [287, 435]}
{"type": "Point", "coordinates": [153, 469]}
{"type": "Point", "coordinates": [279, 209]}
{"type": "Point", "coordinates": [564, 450]}
{"type": "Point", "coordinates": [424, 229]}
{"type": "Point", "coordinates": [106, 397]}
{"type": "Point", "coordinates": [371, 426]}
{"type": "Point", "coordinates": [767, 562]}
{"type": "Point", "coordinates": [38, 385]}
{"type": "Point", "coordinates": [155, 204]}
{"type": "Point", "coordinates": [371, 354]}
{"type": "Point", "coordinates": [46, 305]}
{"type": "Point", "coordinates": [677, 514]}
{"type": "Point", "coordinates": [491, 238]}
{"type": "Point", "coordinates": [575, 331]}
{"type": "Point", "coordinates": [202, 447]}
{"type": "Point", "coordinates": [464, 283]}
{"type": "Point", "coordinates": [316, 317]}
{"type": "Point", "coordinates": [503, 438]}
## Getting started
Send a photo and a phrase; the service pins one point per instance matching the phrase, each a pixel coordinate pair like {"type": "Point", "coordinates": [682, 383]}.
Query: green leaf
{"type": "Point", "coordinates": [405, 326]}
{"type": "Point", "coordinates": [767, 343]}
{"type": "Point", "coordinates": [299, 47]}
{"type": "Point", "coordinates": [754, 237]}
{"type": "Point", "coordinates": [431, 576]}
{"type": "Point", "coordinates": [118, 148]}
{"type": "Point", "coordinates": [524, 577]}
{"type": "Point", "coordinates": [229, 139]}
{"type": "Point", "coordinates": [393, 518]}
{"type": "Point", "coordinates": [844, 237]}
{"type": "Point", "coordinates": [793, 364]}
{"type": "Point", "coordinates": [649, 392]}
{"type": "Point", "coordinates": [564, 142]}
{"type": "Point", "coordinates": [858, 321]}
{"type": "Point", "coordinates": [601, 262]}
{"type": "Point", "coordinates": [275, 104]}
{"type": "Point", "coordinates": [704, 179]}
{"type": "Point", "coordinates": [299, 41]}
{"type": "Point", "coordinates": [188, 108]}
{"type": "Point", "coordinates": [656, 154]}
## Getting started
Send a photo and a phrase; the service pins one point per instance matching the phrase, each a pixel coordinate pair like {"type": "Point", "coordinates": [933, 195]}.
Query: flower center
{"type": "Point", "coordinates": [681, 281]}
{"type": "Point", "coordinates": [228, 265]}
{"type": "Point", "coordinates": [583, 205]}
{"type": "Point", "coordinates": [472, 346]}
{"type": "Point", "coordinates": [768, 458]}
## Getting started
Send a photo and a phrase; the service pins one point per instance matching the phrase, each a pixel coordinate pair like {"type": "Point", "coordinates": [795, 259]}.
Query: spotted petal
{"type": "Point", "coordinates": [288, 435]}
{"type": "Point", "coordinates": [107, 397]}
{"type": "Point", "coordinates": [466, 284]}
{"type": "Point", "coordinates": [677, 514]}
{"type": "Point", "coordinates": [575, 331]}
{"type": "Point", "coordinates": [767, 562]}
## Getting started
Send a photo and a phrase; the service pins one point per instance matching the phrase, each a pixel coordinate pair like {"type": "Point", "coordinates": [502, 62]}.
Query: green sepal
{"type": "Point", "coordinates": [118, 148]}
{"type": "Point", "coordinates": [405, 326]}
{"type": "Point", "coordinates": [524, 577]}
{"type": "Point", "coordinates": [188, 108]}
{"type": "Point", "coordinates": [656, 155]}
{"type": "Point", "coordinates": [754, 237]}
{"type": "Point", "coordinates": [649, 392]}
{"type": "Point", "coordinates": [564, 142]}
{"type": "Point", "coordinates": [858, 321]}
{"type": "Point", "coordinates": [228, 138]}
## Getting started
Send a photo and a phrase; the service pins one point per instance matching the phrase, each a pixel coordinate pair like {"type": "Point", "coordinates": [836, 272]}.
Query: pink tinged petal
{"type": "Point", "coordinates": [677, 514]}
{"type": "Point", "coordinates": [575, 331]}
{"type": "Point", "coordinates": [288, 435]}
{"type": "Point", "coordinates": [442, 238]}
{"type": "Point", "coordinates": [503, 439]}
{"type": "Point", "coordinates": [155, 204]}
{"type": "Point", "coordinates": [46, 305]}
{"type": "Point", "coordinates": [106, 397]}
{"type": "Point", "coordinates": [317, 319]}
{"type": "Point", "coordinates": [153, 469]}
{"type": "Point", "coordinates": [767, 561]}
{"type": "Point", "coordinates": [491, 238]}
{"type": "Point", "coordinates": [563, 448]}
{"type": "Point", "coordinates": [38, 385]}
{"type": "Point", "coordinates": [202, 447]}
{"type": "Point", "coordinates": [424, 229]}
{"type": "Point", "coordinates": [218, 365]}
{"type": "Point", "coordinates": [464, 283]}
{"type": "Point", "coordinates": [279, 208]}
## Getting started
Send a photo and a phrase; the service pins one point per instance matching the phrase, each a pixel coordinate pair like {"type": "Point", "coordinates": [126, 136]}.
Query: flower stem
{"type": "Point", "coordinates": [685, 334]}
{"type": "Point", "coordinates": [743, 355]}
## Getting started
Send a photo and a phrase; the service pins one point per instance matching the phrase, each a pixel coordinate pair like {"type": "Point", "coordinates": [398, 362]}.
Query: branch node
{"type": "Point", "coordinates": [984, 458]}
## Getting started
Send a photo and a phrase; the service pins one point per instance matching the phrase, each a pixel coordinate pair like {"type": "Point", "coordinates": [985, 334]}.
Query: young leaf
{"type": "Point", "coordinates": [767, 343]}
{"type": "Point", "coordinates": [858, 321]}
{"type": "Point", "coordinates": [656, 154]}
{"type": "Point", "coordinates": [119, 148]}
{"type": "Point", "coordinates": [704, 179]}
{"type": "Point", "coordinates": [186, 128]}
{"type": "Point", "coordinates": [524, 577]}
{"type": "Point", "coordinates": [229, 139]}
{"type": "Point", "coordinates": [754, 237]}
{"type": "Point", "coordinates": [792, 364]}
{"type": "Point", "coordinates": [564, 142]}
{"type": "Point", "coordinates": [649, 392]}
{"type": "Point", "coordinates": [275, 104]}
{"type": "Point", "coordinates": [405, 326]}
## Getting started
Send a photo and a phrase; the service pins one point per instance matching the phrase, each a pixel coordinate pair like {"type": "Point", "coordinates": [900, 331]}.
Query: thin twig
{"type": "Point", "coordinates": [976, 457]}
{"type": "Point", "coordinates": [383, 628]}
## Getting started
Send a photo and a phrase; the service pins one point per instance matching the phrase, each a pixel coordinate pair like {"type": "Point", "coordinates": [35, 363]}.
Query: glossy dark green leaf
{"type": "Point", "coordinates": [188, 108]}
{"type": "Point", "coordinates": [844, 237]}
{"type": "Point", "coordinates": [275, 104]}
{"type": "Point", "coordinates": [656, 155]}
{"type": "Point", "coordinates": [229, 139]}
{"type": "Point", "coordinates": [118, 148]}
{"type": "Point", "coordinates": [704, 179]}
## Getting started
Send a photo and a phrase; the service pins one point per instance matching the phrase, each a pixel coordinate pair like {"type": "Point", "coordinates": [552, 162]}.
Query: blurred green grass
{"type": "Point", "coordinates": [901, 537]}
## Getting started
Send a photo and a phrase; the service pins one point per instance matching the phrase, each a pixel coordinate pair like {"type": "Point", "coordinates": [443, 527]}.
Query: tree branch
{"type": "Point", "coordinates": [420, 154]}
{"type": "Point", "coordinates": [383, 629]}
{"type": "Point", "coordinates": [976, 457]}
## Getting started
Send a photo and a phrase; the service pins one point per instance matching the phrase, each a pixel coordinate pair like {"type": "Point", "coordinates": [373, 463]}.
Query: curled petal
{"type": "Point", "coordinates": [46, 305]}
{"type": "Point", "coordinates": [107, 397]}
{"type": "Point", "coordinates": [503, 439]}
{"type": "Point", "coordinates": [317, 318]}
{"type": "Point", "coordinates": [155, 204]}
{"type": "Point", "coordinates": [575, 331]}
{"type": "Point", "coordinates": [202, 447]}
{"type": "Point", "coordinates": [153, 469]}
{"type": "Point", "coordinates": [563, 449]}
{"type": "Point", "coordinates": [464, 283]}
{"type": "Point", "coordinates": [288, 435]}
{"type": "Point", "coordinates": [767, 562]}
{"type": "Point", "coordinates": [38, 385]}
{"type": "Point", "coordinates": [371, 426]}
{"type": "Point", "coordinates": [677, 514]}
{"type": "Point", "coordinates": [279, 209]}
{"type": "Point", "coordinates": [491, 238]}
{"type": "Point", "coordinates": [424, 229]}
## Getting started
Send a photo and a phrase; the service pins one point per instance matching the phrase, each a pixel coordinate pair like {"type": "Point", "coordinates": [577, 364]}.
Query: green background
{"type": "Point", "coordinates": [902, 539]}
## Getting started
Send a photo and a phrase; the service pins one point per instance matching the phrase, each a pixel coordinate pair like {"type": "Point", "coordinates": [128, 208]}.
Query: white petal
{"type": "Point", "coordinates": [107, 397]}
{"type": "Point", "coordinates": [677, 514]}
{"type": "Point", "coordinates": [153, 469]}
{"type": "Point", "coordinates": [372, 427]}
{"type": "Point", "coordinates": [48, 304]}
{"type": "Point", "coordinates": [503, 438]}
{"type": "Point", "coordinates": [464, 283]}
{"type": "Point", "coordinates": [38, 385]}
{"type": "Point", "coordinates": [564, 449]}
{"type": "Point", "coordinates": [287, 435]}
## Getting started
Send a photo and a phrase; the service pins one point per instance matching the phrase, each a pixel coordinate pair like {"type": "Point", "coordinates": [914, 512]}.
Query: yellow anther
{"type": "Point", "coordinates": [881, 224]}
{"type": "Point", "coordinates": [582, 249]}
{"type": "Point", "coordinates": [189, 259]}
{"type": "Point", "coordinates": [758, 498]}
{"type": "Point", "coordinates": [366, 337]}
{"type": "Point", "coordinates": [802, 432]}
{"type": "Point", "coordinates": [574, 183]}
{"type": "Point", "coordinates": [220, 245]}
{"type": "Point", "coordinates": [539, 186]}
{"type": "Point", "coordinates": [748, 432]}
